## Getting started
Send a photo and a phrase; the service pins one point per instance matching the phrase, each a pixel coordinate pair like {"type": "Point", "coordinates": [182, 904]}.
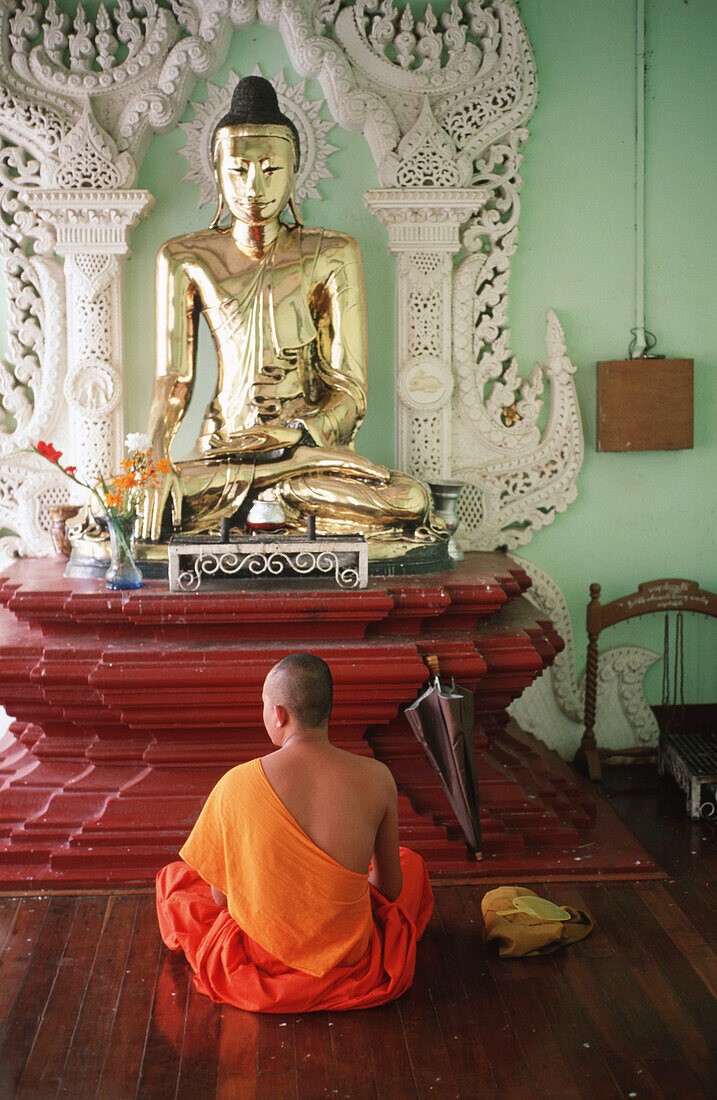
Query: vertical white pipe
{"type": "Point", "coordinates": [640, 337]}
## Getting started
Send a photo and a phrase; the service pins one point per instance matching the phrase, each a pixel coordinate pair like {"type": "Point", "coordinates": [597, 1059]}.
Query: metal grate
{"type": "Point", "coordinates": [692, 759]}
{"type": "Point", "coordinates": [699, 752]}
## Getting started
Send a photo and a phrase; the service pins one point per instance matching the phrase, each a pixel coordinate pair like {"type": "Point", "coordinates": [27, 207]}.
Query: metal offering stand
{"type": "Point", "coordinates": [211, 561]}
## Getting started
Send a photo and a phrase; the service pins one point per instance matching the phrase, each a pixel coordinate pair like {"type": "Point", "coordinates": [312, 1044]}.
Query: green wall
{"type": "Point", "coordinates": [644, 515]}
{"type": "Point", "coordinates": [637, 516]}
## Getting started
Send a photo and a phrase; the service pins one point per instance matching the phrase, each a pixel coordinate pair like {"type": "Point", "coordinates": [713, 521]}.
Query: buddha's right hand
{"type": "Point", "coordinates": [154, 502]}
{"type": "Point", "coordinates": [254, 440]}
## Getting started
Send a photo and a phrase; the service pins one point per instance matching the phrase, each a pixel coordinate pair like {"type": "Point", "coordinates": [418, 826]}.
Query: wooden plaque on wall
{"type": "Point", "coordinates": [645, 405]}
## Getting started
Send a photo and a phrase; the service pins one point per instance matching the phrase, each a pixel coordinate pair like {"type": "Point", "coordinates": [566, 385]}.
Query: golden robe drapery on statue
{"type": "Point", "coordinates": [290, 336]}
{"type": "Point", "coordinates": [286, 309]}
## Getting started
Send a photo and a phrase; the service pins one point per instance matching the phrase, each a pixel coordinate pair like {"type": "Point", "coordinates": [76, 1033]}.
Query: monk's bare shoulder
{"type": "Point", "coordinates": [372, 772]}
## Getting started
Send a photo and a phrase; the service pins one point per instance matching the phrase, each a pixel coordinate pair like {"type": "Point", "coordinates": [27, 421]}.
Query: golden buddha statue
{"type": "Point", "coordinates": [286, 309]}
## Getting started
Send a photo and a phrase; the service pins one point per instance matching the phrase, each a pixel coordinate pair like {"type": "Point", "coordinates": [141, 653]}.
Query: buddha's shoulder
{"type": "Point", "coordinates": [329, 246]}
{"type": "Point", "coordinates": [327, 237]}
{"type": "Point", "coordinates": [191, 244]}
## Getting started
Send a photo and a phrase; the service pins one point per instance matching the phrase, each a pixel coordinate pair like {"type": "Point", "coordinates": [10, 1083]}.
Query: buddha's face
{"type": "Point", "coordinates": [255, 173]}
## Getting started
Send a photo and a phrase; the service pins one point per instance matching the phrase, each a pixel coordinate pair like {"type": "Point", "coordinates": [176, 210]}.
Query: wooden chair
{"type": "Point", "coordinates": [669, 594]}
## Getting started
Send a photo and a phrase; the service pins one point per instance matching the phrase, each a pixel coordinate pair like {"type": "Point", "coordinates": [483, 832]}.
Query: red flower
{"type": "Point", "coordinates": [49, 452]}
{"type": "Point", "coordinates": [71, 470]}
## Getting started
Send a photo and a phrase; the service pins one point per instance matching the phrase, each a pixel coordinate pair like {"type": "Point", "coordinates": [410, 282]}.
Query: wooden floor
{"type": "Point", "coordinates": [91, 1003]}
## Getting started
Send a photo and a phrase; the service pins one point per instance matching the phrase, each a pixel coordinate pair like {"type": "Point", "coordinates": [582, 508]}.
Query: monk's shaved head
{"type": "Point", "coordinates": [302, 683]}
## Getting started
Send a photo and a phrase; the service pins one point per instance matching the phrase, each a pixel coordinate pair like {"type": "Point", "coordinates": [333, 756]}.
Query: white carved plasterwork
{"type": "Point", "coordinates": [553, 706]}
{"type": "Point", "coordinates": [442, 103]}
{"type": "Point", "coordinates": [424, 231]}
{"type": "Point", "coordinates": [303, 112]}
{"type": "Point", "coordinates": [91, 233]}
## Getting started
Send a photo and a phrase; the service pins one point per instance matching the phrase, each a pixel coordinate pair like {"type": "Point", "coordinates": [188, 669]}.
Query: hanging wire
{"type": "Point", "coordinates": [650, 341]}
{"type": "Point", "coordinates": [678, 709]}
{"type": "Point", "coordinates": [673, 695]}
{"type": "Point", "coordinates": [666, 664]}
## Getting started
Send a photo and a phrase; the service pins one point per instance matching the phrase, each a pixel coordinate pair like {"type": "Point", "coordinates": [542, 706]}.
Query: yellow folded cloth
{"type": "Point", "coordinates": [518, 931]}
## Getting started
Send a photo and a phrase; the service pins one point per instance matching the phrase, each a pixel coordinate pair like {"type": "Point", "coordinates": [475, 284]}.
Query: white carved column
{"type": "Point", "coordinates": [424, 227]}
{"type": "Point", "coordinates": [91, 233]}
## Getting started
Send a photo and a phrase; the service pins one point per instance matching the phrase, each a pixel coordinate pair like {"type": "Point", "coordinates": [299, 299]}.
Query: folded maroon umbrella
{"type": "Point", "coordinates": [442, 720]}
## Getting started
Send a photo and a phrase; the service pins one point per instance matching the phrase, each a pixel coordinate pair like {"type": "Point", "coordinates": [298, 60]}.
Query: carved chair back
{"type": "Point", "coordinates": [668, 594]}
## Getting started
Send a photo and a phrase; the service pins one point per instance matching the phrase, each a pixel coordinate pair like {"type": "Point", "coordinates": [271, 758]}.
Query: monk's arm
{"type": "Point", "coordinates": [386, 873]}
{"type": "Point", "coordinates": [219, 898]}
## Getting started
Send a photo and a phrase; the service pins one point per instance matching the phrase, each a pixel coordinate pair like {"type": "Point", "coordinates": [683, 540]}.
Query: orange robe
{"type": "Point", "coordinates": [300, 931]}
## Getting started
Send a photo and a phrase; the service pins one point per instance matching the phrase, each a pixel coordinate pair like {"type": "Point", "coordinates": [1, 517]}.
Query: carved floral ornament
{"type": "Point", "coordinates": [442, 101]}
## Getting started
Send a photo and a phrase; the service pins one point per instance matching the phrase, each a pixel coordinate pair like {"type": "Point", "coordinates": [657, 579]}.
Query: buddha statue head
{"type": "Point", "coordinates": [256, 152]}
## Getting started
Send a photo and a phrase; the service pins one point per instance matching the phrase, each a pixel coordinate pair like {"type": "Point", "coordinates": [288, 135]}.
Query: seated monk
{"type": "Point", "coordinates": [292, 894]}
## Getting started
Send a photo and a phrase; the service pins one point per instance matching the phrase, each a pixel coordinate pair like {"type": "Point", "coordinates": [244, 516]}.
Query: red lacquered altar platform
{"type": "Point", "coordinates": [128, 706]}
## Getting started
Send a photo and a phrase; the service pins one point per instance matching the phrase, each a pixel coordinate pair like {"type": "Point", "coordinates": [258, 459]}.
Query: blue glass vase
{"type": "Point", "coordinates": [123, 572]}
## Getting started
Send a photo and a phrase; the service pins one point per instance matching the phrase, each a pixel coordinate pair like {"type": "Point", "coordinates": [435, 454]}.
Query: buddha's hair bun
{"type": "Point", "coordinates": [254, 103]}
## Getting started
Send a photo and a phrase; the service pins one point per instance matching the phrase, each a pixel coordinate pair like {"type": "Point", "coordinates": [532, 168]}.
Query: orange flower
{"type": "Point", "coordinates": [163, 466]}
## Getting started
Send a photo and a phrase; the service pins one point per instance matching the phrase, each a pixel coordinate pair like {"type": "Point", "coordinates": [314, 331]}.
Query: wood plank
{"type": "Point", "coordinates": [159, 1072]}
{"type": "Point", "coordinates": [489, 1018]}
{"type": "Point", "coordinates": [17, 952]}
{"type": "Point", "coordinates": [21, 1023]}
{"type": "Point", "coordinates": [675, 1080]}
{"type": "Point", "coordinates": [681, 1000]}
{"type": "Point", "coordinates": [521, 984]}
{"type": "Point", "coordinates": [682, 932]}
{"type": "Point", "coordinates": [276, 1057]}
{"type": "Point", "coordinates": [128, 1034]}
{"type": "Point", "coordinates": [589, 1011]}
{"type": "Point", "coordinates": [627, 1065]}
{"type": "Point", "coordinates": [391, 1064]}
{"type": "Point", "coordinates": [425, 1041]}
{"type": "Point", "coordinates": [277, 1086]}
{"type": "Point", "coordinates": [237, 1055]}
{"type": "Point", "coordinates": [314, 1056]}
{"type": "Point", "coordinates": [673, 839]}
{"type": "Point", "coordinates": [46, 1061]}
{"type": "Point", "coordinates": [469, 1061]}
{"type": "Point", "coordinates": [8, 909]}
{"type": "Point", "coordinates": [578, 974]}
{"type": "Point", "coordinates": [574, 1036]}
{"type": "Point", "coordinates": [94, 1024]}
{"type": "Point", "coordinates": [632, 1000]}
{"type": "Point", "coordinates": [198, 1071]}
{"type": "Point", "coordinates": [351, 1052]}
{"type": "Point", "coordinates": [700, 906]}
